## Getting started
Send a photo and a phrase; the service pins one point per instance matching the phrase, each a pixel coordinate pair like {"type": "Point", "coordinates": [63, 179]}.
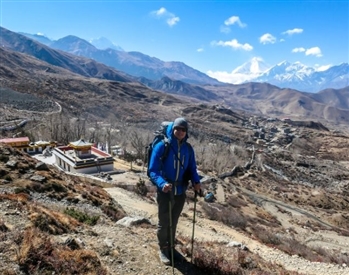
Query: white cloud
{"type": "Point", "coordinates": [234, 20]}
{"type": "Point", "coordinates": [160, 12]}
{"type": "Point", "coordinates": [233, 44]}
{"type": "Point", "coordinates": [172, 21]}
{"type": "Point", "coordinates": [294, 31]}
{"type": "Point", "coordinates": [314, 51]}
{"type": "Point", "coordinates": [200, 50]}
{"type": "Point", "coordinates": [298, 50]}
{"type": "Point", "coordinates": [267, 39]}
{"type": "Point", "coordinates": [228, 77]}
{"type": "Point", "coordinates": [170, 18]}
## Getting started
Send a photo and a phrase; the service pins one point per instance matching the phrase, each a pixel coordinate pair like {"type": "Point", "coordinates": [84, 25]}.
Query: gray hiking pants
{"type": "Point", "coordinates": [163, 231]}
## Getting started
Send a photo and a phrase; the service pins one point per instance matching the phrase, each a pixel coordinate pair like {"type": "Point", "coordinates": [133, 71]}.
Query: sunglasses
{"type": "Point", "coordinates": [180, 129]}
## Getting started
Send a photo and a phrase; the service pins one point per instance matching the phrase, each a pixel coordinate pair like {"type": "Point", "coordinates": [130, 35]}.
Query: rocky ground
{"type": "Point", "coordinates": [32, 201]}
{"type": "Point", "coordinates": [208, 230]}
{"type": "Point", "coordinates": [36, 233]}
{"type": "Point", "coordinates": [294, 185]}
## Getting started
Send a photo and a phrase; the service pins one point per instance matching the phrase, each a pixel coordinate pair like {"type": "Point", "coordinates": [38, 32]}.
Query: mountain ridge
{"type": "Point", "coordinates": [134, 63]}
{"type": "Point", "coordinates": [304, 78]}
{"type": "Point", "coordinates": [258, 98]}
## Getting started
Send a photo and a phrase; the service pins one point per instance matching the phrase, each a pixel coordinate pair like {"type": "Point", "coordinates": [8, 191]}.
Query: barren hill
{"type": "Point", "coordinates": [257, 98]}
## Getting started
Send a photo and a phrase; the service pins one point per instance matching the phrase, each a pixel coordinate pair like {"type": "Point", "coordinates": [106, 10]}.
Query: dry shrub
{"type": "Point", "coordinates": [267, 236]}
{"type": "Point", "coordinates": [226, 215]}
{"type": "Point", "coordinates": [293, 247]}
{"type": "Point", "coordinates": [9, 272]}
{"type": "Point", "coordinates": [265, 218]}
{"type": "Point", "coordinates": [19, 197]}
{"type": "Point", "coordinates": [16, 201]}
{"type": "Point", "coordinates": [38, 255]}
{"type": "Point", "coordinates": [236, 201]}
{"type": "Point", "coordinates": [94, 194]}
{"type": "Point", "coordinates": [114, 212]}
{"type": "Point", "coordinates": [51, 221]}
{"type": "Point", "coordinates": [216, 258]}
{"type": "Point", "coordinates": [52, 188]}
{"type": "Point", "coordinates": [314, 254]}
{"type": "Point", "coordinates": [141, 188]}
{"type": "Point", "coordinates": [212, 258]}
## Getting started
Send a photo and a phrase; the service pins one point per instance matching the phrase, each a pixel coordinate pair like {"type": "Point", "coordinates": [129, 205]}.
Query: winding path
{"type": "Point", "coordinates": [208, 230]}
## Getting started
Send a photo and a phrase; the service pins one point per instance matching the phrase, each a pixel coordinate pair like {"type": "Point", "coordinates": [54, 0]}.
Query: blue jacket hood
{"type": "Point", "coordinates": [180, 158]}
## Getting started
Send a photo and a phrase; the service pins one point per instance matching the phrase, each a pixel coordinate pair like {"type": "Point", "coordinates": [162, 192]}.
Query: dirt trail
{"type": "Point", "coordinates": [208, 230]}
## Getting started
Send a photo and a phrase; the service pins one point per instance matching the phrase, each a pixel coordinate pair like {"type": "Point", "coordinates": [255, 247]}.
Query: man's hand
{"type": "Point", "coordinates": [197, 188]}
{"type": "Point", "coordinates": [167, 187]}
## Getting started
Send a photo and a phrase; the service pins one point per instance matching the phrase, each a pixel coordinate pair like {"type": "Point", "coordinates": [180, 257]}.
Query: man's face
{"type": "Point", "coordinates": [180, 132]}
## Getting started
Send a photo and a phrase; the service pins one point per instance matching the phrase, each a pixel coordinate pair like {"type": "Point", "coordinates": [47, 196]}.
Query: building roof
{"type": "Point", "coordinates": [19, 139]}
{"type": "Point", "coordinates": [42, 142]}
{"type": "Point", "coordinates": [80, 143]}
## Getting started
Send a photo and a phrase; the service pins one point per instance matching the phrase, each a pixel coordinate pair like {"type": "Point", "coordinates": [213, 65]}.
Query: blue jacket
{"type": "Point", "coordinates": [170, 170]}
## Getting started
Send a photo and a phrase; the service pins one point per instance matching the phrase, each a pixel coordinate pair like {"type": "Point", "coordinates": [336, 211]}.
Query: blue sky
{"type": "Point", "coordinates": [214, 37]}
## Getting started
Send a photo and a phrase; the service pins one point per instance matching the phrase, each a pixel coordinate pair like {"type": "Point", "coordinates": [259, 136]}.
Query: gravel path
{"type": "Point", "coordinates": [208, 230]}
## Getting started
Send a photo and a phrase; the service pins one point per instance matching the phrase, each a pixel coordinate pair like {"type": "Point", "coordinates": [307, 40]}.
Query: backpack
{"type": "Point", "coordinates": [160, 136]}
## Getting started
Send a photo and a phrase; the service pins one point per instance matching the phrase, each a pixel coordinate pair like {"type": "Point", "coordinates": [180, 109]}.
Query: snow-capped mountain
{"type": "Point", "coordinates": [244, 73]}
{"type": "Point", "coordinates": [303, 78]}
{"type": "Point", "coordinates": [255, 66]}
{"type": "Point", "coordinates": [103, 43]}
{"type": "Point", "coordinates": [286, 71]}
{"type": "Point", "coordinates": [334, 77]}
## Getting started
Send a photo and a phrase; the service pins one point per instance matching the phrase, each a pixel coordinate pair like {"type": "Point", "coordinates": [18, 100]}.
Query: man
{"type": "Point", "coordinates": [169, 176]}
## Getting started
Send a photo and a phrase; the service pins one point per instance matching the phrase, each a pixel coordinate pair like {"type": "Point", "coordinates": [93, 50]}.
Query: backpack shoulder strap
{"type": "Point", "coordinates": [166, 149]}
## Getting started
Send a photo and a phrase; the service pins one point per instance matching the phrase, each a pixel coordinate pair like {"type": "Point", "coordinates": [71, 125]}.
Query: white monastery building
{"type": "Point", "coordinates": [83, 157]}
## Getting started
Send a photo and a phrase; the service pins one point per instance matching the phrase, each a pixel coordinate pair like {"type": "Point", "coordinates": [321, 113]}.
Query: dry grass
{"type": "Point", "coordinates": [215, 258]}
{"type": "Point", "coordinates": [51, 221]}
{"type": "Point", "coordinates": [226, 215]}
{"type": "Point", "coordinates": [291, 246]}
{"type": "Point", "coordinates": [38, 255]}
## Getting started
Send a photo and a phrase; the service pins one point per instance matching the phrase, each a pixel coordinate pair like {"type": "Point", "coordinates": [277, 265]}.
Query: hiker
{"type": "Point", "coordinates": [168, 175]}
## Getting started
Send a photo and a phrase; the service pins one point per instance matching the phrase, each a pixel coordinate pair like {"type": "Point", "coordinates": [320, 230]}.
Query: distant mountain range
{"type": "Point", "coordinates": [284, 75]}
{"type": "Point", "coordinates": [28, 65]}
{"type": "Point", "coordinates": [296, 75]}
{"type": "Point", "coordinates": [134, 63]}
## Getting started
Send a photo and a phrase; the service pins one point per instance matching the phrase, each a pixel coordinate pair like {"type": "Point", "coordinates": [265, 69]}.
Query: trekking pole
{"type": "Point", "coordinates": [171, 231]}
{"type": "Point", "coordinates": [192, 235]}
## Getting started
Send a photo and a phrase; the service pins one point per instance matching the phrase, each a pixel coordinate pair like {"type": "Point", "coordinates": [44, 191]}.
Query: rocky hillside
{"type": "Point", "coordinates": [51, 222]}
{"type": "Point", "coordinates": [285, 211]}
